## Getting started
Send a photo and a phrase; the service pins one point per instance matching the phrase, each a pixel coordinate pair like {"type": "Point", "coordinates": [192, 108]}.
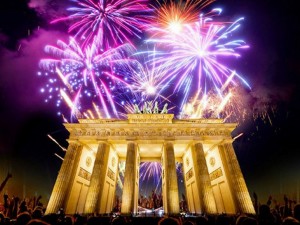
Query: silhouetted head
{"type": "Point", "coordinates": [93, 221]}
{"type": "Point", "coordinates": [224, 219]}
{"type": "Point", "coordinates": [264, 210]}
{"type": "Point", "coordinates": [201, 220]}
{"type": "Point", "coordinates": [119, 221]}
{"type": "Point", "coordinates": [69, 220]}
{"type": "Point", "coordinates": [240, 219]}
{"type": "Point", "coordinates": [297, 212]}
{"type": "Point", "coordinates": [1, 217]}
{"type": "Point", "coordinates": [80, 220]}
{"type": "Point", "coordinates": [249, 221]}
{"type": "Point", "coordinates": [187, 222]}
{"type": "Point", "coordinates": [37, 213]}
{"type": "Point", "coordinates": [168, 221]}
{"type": "Point", "coordinates": [50, 218]}
{"type": "Point", "coordinates": [290, 221]}
{"type": "Point", "coordinates": [265, 216]}
{"type": "Point", "coordinates": [23, 218]}
{"type": "Point", "coordinates": [37, 222]}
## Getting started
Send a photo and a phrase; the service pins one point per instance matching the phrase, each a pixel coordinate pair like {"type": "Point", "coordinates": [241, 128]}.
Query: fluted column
{"type": "Point", "coordinates": [130, 179]}
{"type": "Point", "coordinates": [62, 183]}
{"type": "Point", "coordinates": [240, 190]}
{"type": "Point", "coordinates": [171, 206]}
{"type": "Point", "coordinates": [93, 197]}
{"type": "Point", "coordinates": [207, 200]}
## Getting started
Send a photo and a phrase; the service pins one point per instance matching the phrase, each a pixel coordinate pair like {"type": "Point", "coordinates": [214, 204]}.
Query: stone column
{"type": "Point", "coordinates": [240, 191]}
{"type": "Point", "coordinates": [93, 197]}
{"type": "Point", "coordinates": [171, 203]}
{"type": "Point", "coordinates": [130, 179]}
{"type": "Point", "coordinates": [60, 190]}
{"type": "Point", "coordinates": [207, 200]}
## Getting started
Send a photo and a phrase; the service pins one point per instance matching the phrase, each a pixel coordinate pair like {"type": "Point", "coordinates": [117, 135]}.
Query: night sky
{"type": "Point", "coordinates": [268, 150]}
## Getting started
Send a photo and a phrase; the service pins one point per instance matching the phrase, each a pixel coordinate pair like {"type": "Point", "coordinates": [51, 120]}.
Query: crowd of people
{"type": "Point", "coordinates": [15, 211]}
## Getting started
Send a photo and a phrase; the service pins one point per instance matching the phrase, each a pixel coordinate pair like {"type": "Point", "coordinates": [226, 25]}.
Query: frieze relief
{"type": "Point", "coordinates": [97, 121]}
{"type": "Point", "coordinates": [216, 174]}
{"type": "Point", "coordinates": [84, 174]}
{"type": "Point", "coordinates": [150, 118]}
{"type": "Point", "coordinates": [189, 174]}
{"type": "Point", "coordinates": [111, 174]}
{"type": "Point", "coordinates": [149, 132]}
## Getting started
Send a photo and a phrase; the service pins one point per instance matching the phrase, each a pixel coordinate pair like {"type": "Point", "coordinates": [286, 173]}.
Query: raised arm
{"type": "Point", "coordinates": [4, 182]}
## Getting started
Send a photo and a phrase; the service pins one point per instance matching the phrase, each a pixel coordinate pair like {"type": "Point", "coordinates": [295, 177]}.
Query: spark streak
{"type": "Point", "coordinates": [64, 149]}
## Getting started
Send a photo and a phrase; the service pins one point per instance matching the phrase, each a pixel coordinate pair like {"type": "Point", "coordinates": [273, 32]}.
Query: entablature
{"type": "Point", "coordinates": [125, 129]}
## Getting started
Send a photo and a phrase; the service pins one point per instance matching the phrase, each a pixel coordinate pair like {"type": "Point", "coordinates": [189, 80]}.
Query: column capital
{"type": "Point", "coordinates": [228, 141]}
{"type": "Point", "coordinates": [169, 140]}
{"type": "Point", "coordinates": [73, 141]}
{"type": "Point", "coordinates": [198, 141]}
{"type": "Point", "coordinates": [128, 140]}
{"type": "Point", "coordinates": [101, 141]}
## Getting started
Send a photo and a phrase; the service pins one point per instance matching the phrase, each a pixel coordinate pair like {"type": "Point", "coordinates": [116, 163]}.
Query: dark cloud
{"type": "Point", "coordinates": [20, 67]}
{"type": "Point", "coordinates": [50, 9]}
{"type": "Point", "coordinates": [19, 84]}
{"type": "Point", "coordinates": [25, 149]}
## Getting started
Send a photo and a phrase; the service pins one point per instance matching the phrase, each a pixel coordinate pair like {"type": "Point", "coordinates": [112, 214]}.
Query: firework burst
{"type": "Point", "coordinates": [146, 80]}
{"type": "Point", "coordinates": [86, 75]}
{"type": "Point", "coordinates": [108, 22]}
{"type": "Point", "coordinates": [172, 15]}
{"type": "Point", "coordinates": [99, 81]}
{"type": "Point", "coordinates": [192, 58]}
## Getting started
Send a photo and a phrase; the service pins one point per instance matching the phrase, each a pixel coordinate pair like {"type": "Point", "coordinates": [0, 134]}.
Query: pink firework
{"type": "Point", "coordinates": [193, 58]}
{"type": "Point", "coordinates": [109, 22]}
{"type": "Point", "coordinates": [85, 74]}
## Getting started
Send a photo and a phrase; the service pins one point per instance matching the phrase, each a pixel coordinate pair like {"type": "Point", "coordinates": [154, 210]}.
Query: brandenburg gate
{"type": "Point", "coordinates": [87, 179]}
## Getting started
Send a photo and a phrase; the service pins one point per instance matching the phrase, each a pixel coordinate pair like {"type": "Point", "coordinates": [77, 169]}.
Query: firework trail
{"type": "Point", "coordinates": [209, 105]}
{"type": "Point", "coordinates": [192, 57]}
{"type": "Point", "coordinates": [58, 156]}
{"type": "Point", "coordinates": [120, 179]}
{"type": "Point", "coordinates": [150, 176]}
{"type": "Point", "coordinates": [64, 149]}
{"type": "Point", "coordinates": [234, 104]}
{"type": "Point", "coordinates": [150, 172]}
{"type": "Point", "coordinates": [108, 22]}
{"type": "Point", "coordinates": [145, 78]}
{"type": "Point", "coordinates": [82, 76]}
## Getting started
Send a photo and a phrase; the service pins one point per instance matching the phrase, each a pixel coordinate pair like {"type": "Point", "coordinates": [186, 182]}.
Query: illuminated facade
{"type": "Point", "coordinates": [87, 180]}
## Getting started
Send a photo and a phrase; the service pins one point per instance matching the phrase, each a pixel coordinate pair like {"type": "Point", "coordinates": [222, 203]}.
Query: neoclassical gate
{"type": "Point", "coordinates": [87, 179]}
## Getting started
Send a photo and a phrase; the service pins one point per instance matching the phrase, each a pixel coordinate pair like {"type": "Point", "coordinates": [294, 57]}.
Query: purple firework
{"type": "Point", "coordinates": [192, 57]}
{"type": "Point", "coordinates": [108, 22]}
{"type": "Point", "coordinates": [85, 75]}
